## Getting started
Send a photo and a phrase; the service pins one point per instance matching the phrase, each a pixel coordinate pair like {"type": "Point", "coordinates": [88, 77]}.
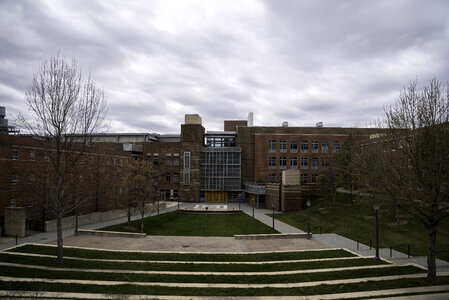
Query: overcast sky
{"type": "Point", "coordinates": [338, 62]}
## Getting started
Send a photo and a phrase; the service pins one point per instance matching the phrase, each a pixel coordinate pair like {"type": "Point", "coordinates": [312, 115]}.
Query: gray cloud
{"type": "Point", "coordinates": [302, 61]}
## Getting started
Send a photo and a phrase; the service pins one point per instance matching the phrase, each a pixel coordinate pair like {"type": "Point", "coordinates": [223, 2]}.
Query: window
{"type": "Point", "coordinates": [294, 163]}
{"type": "Point", "coordinates": [272, 146]}
{"type": "Point", "coordinates": [294, 147]}
{"type": "Point", "coordinates": [167, 177]}
{"type": "Point", "coordinates": [271, 177]}
{"type": "Point", "coordinates": [315, 164]}
{"type": "Point", "coordinates": [283, 146]}
{"type": "Point", "coordinates": [336, 146]}
{"type": "Point", "coordinates": [31, 178]}
{"type": "Point", "coordinates": [155, 159]}
{"type": "Point", "coordinates": [15, 154]}
{"type": "Point", "coordinates": [12, 202]}
{"type": "Point", "coordinates": [272, 163]}
{"type": "Point", "coordinates": [32, 155]}
{"type": "Point", "coordinates": [14, 178]}
{"type": "Point", "coordinates": [304, 146]}
{"type": "Point", "coordinates": [325, 147]}
{"type": "Point", "coordinates": [148, 157]}
{"type": "Point", "coordinates": [314, 147]}
{"type": "Point", "coordinates": [176, 160]}
{"type": "Point", "coordinates": [314, 178]}
{"type": "Point", "coordinates": [29, 202]}
{"type": "Point", "coordinates": [168, 159]}
{"type": "Point", "coordinates": [186, 168]}
{"type": "Point", "coordinates": [283, 163]}
{"type": "Point", "coordinates": [304, 178]}
{"type": "Point", "coordinates": [175, 177]}
{"type": "Point", "coordinates": [304, 163]}
{"type": "Point", "coordinates": [175, 194]}
{"type": "Point", "coordinates": [324, 163]}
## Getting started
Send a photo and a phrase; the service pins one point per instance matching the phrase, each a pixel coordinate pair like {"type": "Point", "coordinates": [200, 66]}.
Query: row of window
{"type": "Point", "coordinates": [170, 160]}
{"type": "Point", "coordinates": [109, 161]}
{"type": "Point", "coordinates": [304, 178]}
{"type": "Point", "coordinates": [304, 146]}
{"type": "Point", "coordinates": [304, 163]}
{"type": "Point", "coordinates": [32, 179]}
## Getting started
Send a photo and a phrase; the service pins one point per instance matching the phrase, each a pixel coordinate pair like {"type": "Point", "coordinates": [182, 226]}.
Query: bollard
{"type": "Point", "coordinates": [370, 243]}
{"type": "Point", "coordinates": [391, 251]}
{"type": "Point", "coordinates": [16, 239]}
{"type": "Point", "coordinates": [408, 251]}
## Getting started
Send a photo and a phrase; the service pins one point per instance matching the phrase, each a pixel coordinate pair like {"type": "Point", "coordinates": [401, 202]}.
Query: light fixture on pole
{"type": "Point", "coordinates": [308, 219]}
{"type": "Point", "coordinates": [273, 214]}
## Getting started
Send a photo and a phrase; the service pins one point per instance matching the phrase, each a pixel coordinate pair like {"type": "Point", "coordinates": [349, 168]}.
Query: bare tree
{"type": "Point", "coordinates": [65, 110]}
{"type": "Point", "coordinates": [139, 184]}
{"type": "Point", "coordinates": [408, 162]}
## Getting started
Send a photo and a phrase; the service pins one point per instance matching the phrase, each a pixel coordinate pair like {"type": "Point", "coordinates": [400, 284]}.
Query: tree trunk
{"type": "Point", "coordinates": [59, 237]}
{"type": "Point", "coordinates": [129, 214]}
{"type": "Point", "coordinates": [142, 213]}
{"type": "Point", "coordinates": [431, 263]}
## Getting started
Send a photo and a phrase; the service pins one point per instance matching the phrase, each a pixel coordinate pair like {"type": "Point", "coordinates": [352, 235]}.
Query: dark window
{"type": "Point", "coordinates": [293, 146]}
{"type": "Point", "coordinates": [304, 178]}
{"type": "Point", "coordinates": [176, 160]}
{"type": "Point", "coordinates": [294, 163]}
{"type": "Point", "coordinates": [175, 177]}
{"type": "Point", "coordinates": [315, 146]}
{"type": "Point", "coordinates": [283, 163]}
{"type": "Point", "coordinates": [315, 164]}
{"type": "Point", "coordinates": [336, 146]}
{"type": "Point", "coordinates": [15, 154]}
{"type": "Point", "coordinates": [167, 177]}
{"type": "Point", "coordinates": [304, 146]}
{"type": "Point", "coordinates": [156, 159]}
{"type": "Point", "coordinates": [283, 146]}
{"type": "Point", "coordinates": [271, 177]}
{"type": "Point", "coordinates": [314, 178]}
{"type": "Point", "coordinates": [325, 147]}
{"type": "Point", "coordinates": [168, 160]}
{"type": "Point", "coordinates": [272, 163]}
{"type": "Point", "coordinates": [272, 146]}
{"type": "Point", "coordinates": [304, 163]}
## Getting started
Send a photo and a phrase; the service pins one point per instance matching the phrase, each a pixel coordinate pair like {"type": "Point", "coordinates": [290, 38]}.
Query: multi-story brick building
{"type": "Point", "coordinates": [196, 165]}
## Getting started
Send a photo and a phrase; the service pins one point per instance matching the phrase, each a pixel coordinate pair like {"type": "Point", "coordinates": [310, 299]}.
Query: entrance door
{"type": "Point", "coordinates": [216, 197]}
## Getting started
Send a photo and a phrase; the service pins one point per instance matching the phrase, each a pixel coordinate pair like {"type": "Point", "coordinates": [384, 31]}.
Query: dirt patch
{"type": "Point", "coordinates": [402, 222]}
{"type": "Point", "coordinates": [130, 228]}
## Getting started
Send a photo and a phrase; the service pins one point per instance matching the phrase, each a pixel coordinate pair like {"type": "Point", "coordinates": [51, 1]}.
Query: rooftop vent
{"type": "Point", "coordinates": [285, 124]}
{"type": "Point", "coordinates": [250, 119]}
{"type": "Point", "coordinates": [319, 125]}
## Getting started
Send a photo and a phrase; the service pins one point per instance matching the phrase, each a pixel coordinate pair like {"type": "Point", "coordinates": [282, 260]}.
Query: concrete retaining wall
{"type": "Point", "coordinates": [69, 222]}
{"type": "Point", "coordinates": [271, 236]}
{"type": "Point", "coordinates": [111, 233]}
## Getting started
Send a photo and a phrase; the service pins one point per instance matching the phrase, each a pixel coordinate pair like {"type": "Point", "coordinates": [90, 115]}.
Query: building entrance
{"type": "Point", "coordinates": [216, 197]}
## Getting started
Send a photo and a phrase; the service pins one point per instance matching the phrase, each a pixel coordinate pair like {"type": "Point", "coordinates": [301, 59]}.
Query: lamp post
{"type": "Point", "coordinates": [273, 215]}
{"type": "Point", "coordinates": [376, 209]}
{"type": "Point", "coordinates": [308, 219]}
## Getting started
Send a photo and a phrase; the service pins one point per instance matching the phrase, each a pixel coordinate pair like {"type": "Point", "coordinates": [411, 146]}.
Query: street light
{"type": "Point", "coordinates": [273, 215]}
{"type": "Point", "coordinates": [308, 219]}
{"type": "Point", "coordinates": [376, 209]}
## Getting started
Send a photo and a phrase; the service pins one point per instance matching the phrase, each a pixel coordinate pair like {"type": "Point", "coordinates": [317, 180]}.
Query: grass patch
{"type": "Point", "coordinates": [187, 267]}
{"type": "Point", "coordinates": [248, 279]}
{"type": "Point", "coordinates": [159, 290]}
{"type": "Point", "coordinates": [356, 221]}
{"type": "Point", "coordinates": [179, 223]}
{"type": "Point", "coordinates": [249, 257]}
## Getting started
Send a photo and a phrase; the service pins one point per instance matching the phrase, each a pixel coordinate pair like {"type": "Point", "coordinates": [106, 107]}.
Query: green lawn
{"type": "Point", "coordinates": [130, 279]}
{"type": "Point", "coordinates": [179, 223]}
{"type": "Point", "coordinates": [356, 221]}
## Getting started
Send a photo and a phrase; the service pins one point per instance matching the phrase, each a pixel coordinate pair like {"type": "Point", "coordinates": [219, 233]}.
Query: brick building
{"type": "Point", "coordinates": [235, 164]}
